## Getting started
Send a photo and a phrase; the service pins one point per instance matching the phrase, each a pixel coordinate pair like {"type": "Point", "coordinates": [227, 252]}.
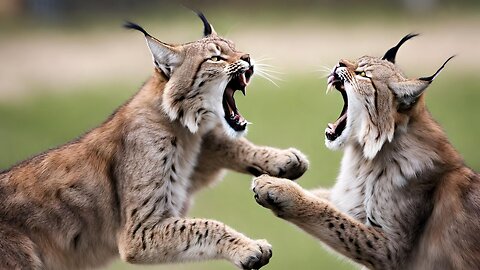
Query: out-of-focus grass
{"type": "Point", "coordinates": [293, 115]}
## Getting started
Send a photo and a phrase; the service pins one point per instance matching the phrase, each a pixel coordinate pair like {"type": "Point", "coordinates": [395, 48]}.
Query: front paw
{"type": "Point", "coordinates": [253, 255]}
{"type": "Point", "coordinates": [279, 195]}
{"type": "Point", "coordinates": [289, 163]}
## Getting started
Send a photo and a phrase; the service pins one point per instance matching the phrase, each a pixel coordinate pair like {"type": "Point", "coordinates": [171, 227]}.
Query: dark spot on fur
{"type": "Point", "coordinates": [136, 229]}
{"type": "Point", "coordinates": [182, 228]}
{"type": "Point", "coordinates": [389, 254]}
{"type": "Point", "coordinates": [145, 201]}
{"type": "Point", "coordinates": [356, 244]}
{"type": "Point", "coordinates": [179, 99]}
{"type": "Point", "coordinates": [76, 240]}
{"type": "Point", "coordinates": [331, 225]}
{"type": "Point", "coordinates": [342, 226]}
{"type": "Point", "coordinates": [199, 238]}
{"type": "Point", "coordinates": [369, 244]}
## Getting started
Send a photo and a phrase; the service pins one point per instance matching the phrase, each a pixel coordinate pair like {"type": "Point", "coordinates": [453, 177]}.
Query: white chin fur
{"type": "Point", "coordinates": [338, 143]}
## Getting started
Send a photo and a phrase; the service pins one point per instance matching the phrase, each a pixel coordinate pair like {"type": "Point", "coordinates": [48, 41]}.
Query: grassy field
{"type": "Point", "coordinates": [295, 114]}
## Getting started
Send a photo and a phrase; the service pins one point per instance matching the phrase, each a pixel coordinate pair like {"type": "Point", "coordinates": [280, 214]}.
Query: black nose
{"type": "Point", "coordinates": [340, 64]}
{"type": "Point", "coordinates": [246, 58]}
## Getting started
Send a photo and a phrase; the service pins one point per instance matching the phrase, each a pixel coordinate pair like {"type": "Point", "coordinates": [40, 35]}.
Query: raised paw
{"type": "Point", "coordinates": [254, 255]}
{"type": "Point", "coordinates": [289, 163]}
{"type": "Point", "coordinates": [295, 165]}
{"type": "Point", "coordinates": [279, 195]}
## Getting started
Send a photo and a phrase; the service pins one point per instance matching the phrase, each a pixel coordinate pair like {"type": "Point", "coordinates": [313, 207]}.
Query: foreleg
{"type": "Point", "coordinates": [180, 240]}
{"type": "Point", "coordinates": [318, 217]}
{"type": "Point", "coordinates": [243, 156]}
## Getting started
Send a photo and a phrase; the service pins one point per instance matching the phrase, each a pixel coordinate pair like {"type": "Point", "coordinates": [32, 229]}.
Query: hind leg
{"type": "Point", "coordinates": [17, 251]}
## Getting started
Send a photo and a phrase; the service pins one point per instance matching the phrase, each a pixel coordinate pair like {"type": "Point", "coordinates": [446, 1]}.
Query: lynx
{"type": "Point", "coordinates": [404, 198]}
{"type": "Point", "coordinates": [125, 187]}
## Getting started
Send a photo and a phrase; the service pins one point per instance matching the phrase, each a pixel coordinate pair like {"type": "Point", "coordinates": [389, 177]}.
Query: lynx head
{"type": "Point", "coordinates": [378, 100]}
{"type": "Point", "coordinates": [203, 76]}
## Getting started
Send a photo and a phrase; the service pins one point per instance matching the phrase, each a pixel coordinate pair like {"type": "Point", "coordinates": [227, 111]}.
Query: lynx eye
{"type": "Point", "coordinates": [361, 73]}
{"type": "Point", "coordinates": [216, 58]}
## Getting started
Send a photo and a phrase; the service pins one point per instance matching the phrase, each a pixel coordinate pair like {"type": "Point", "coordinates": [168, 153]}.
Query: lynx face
{"type": "Point", "coordinates": [369, 107]}
{"type": "Point", "coordinates": [377, 100]}
{"type": "Point", "coordinates": [203, 78]}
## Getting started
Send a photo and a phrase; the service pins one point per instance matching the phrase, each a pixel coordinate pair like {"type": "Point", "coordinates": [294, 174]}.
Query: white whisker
{"type": "Point", "coordinates": [267, 71]}
{"type": "Point", "coordinates": [263, 75]}
{"type": "Point", "coordinates": [262, 59]}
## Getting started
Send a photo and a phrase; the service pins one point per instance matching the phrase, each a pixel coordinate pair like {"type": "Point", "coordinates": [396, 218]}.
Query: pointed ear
{"type": "Point", "coordinates": [207, 27]}
{"type": "Point", "coordinates": [408, 92]}
{"type": "Point", "coordinates": [166, 57]}
{"type": "Point", "coordinates": [392, 52]}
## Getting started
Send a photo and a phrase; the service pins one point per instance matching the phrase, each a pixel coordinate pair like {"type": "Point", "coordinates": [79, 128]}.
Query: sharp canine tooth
{"type": "Point", "coordinates": [243, 78]}
{"type": "Point", "coordinates": [329, 88]}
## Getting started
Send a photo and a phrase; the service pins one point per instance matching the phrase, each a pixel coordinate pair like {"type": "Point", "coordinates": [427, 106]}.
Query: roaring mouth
{"type": "Point", "coordinates": [239, 81]}
{"type": "Point", "coordinates": [333, 131]}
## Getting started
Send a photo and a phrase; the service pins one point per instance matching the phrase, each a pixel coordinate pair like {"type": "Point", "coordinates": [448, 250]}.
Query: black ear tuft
{"type": "Point", "coordinates": [131, 25]}
{"type": "Point", "coordinates": [207, 28]}
{"type": "Point", "coordinates": [431, 78]}
{"type": "Point", "coordinates": [392, 52]}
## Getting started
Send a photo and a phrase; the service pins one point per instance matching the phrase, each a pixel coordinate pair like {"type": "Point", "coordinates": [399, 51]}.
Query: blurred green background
{"type": "Point", "coordinates": [66, 65]}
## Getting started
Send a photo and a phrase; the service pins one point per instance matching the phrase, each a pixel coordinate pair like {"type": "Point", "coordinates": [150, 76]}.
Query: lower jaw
{"type": "Point", "coordinates": [231, 132]}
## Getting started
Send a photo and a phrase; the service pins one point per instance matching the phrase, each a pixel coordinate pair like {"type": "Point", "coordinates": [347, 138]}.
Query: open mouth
{"type": "Point", "coordinates": [239, 82]}
{"type": "Point", "coordinates": [333, 131]}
